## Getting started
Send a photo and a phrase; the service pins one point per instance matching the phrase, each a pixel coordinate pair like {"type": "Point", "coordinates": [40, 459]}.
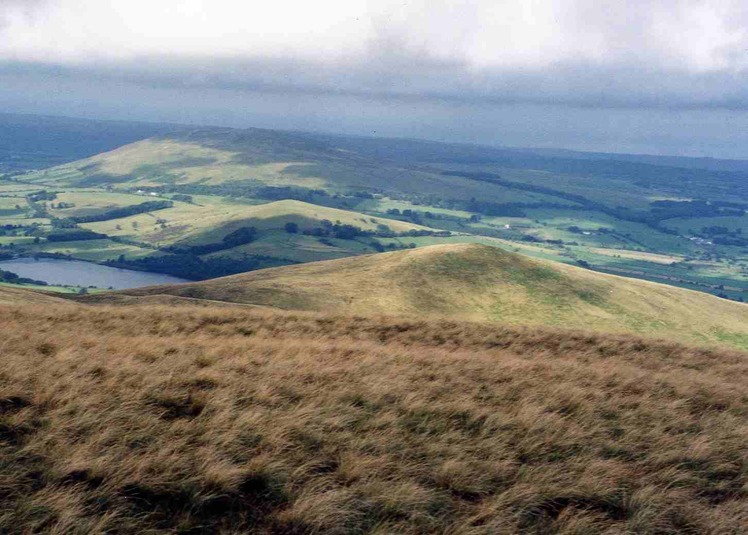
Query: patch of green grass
{"type": "Point", "coordinates": [90, 202]}
{"type": "Point", "coordinates": [47, 288]}
{"type": "Point", "coordinates": [93, 250]}
{"type": "Point", "coordinates": [16, 240]}
{"type": "Point", "coordinates": [739, 340]}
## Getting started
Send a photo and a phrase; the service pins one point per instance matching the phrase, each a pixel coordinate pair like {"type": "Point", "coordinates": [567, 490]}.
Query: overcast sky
{"type": "Point", "coordinates": [655, 76]}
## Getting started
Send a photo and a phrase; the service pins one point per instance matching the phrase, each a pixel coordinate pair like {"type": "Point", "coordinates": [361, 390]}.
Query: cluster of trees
{"type": "Point", "coordinates": [717, 230]}
{"type": "Point", "coordinates": [662, 210]}
{"type": "Point", "coordinates": [13, 278]}
{"type": "Point", "coordinates": [379, 247]}
{"type": "Point", "coordinates": [241, 236]}
{"type": "Point", "coordinates": [74, 234]}
{"type": "Point", "coordinates": [42, 195]}
{"type": "Point", "coordinates": [9, 230]}
{"type": "Point", "coordinates": [191, 266]}
{"type": "Point", "coordinates": [411, 215]}
{"type": "Point", "coordinates": [269, 193]}
{"type": "Point", "coordinates": [124, 211]}
{"type": "Point", "coordinates": [336, 230]}
{"type": "Point", "coordinates": [721, 235]}
{"type": "Point", "coordinates": [280, 193]}
{"type": "Point", "coordinates": [37, 205]}
{"type": "Point", "coordinates": [328, 229]}
{"type": "Point", "coordinates": [63, 223]}
{"type": "Point", "coordinates": [577, 230]}
{"type": "Point", "coordinates": [735, 241]}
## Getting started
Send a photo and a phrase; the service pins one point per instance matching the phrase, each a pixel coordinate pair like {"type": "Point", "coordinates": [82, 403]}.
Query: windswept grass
{"type": "Point", "coordinates": [231, 420]}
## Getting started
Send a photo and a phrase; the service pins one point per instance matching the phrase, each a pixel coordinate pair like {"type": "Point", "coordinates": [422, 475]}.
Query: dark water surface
{"type": "Point", "coordinates": [76, 273]}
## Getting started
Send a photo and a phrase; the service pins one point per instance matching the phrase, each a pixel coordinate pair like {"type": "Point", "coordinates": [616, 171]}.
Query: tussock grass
{"type": "Point", "coordinates": [154, 419]}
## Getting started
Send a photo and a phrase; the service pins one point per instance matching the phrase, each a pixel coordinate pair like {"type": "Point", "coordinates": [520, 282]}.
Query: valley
{"type": "Point", "coordinates": [165, 205]}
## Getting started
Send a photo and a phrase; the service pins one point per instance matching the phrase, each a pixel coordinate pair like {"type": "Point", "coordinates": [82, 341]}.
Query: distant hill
{"type": "Point", "coordinates": [289, 230]}
{"type": "Point", "coordinates": [196, 223]}
{"type": "Point", "coordinates": [37, 142]}
{"type": "Point", "coordinates": [481, 283]}
{"type": "Point", "coordinates": [699, 177]}
{"type": "Point", "coordinates": [226, 160]}
{"type": "Point", "coordinates": [684, 162]}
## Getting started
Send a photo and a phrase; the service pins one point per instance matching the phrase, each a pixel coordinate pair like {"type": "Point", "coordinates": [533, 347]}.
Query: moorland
{"type": "Point", "coordinates": [200, 419]}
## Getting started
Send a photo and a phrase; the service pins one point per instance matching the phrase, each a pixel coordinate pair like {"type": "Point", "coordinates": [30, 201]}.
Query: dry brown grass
{"type": "Point", "coordinates": [202, 420]}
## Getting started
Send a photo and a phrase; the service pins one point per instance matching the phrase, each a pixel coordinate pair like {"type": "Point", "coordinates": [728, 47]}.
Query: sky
{"type": "Point", "coordinates": [655, 76]}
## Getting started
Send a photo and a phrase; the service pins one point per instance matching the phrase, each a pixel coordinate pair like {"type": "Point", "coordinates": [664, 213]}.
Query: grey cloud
{"type": "Point", "coordinates": [25, 8]}
{"type": "Point", "coordinates": [401, 85]}
{"type": "Point", "coordinates": [403, 77]}
{"type": "Point", "coordinates": [641, 64]}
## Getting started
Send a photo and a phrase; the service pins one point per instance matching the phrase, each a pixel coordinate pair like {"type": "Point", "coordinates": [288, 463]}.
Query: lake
{"type": "Point", "coordinates": [76, 273]}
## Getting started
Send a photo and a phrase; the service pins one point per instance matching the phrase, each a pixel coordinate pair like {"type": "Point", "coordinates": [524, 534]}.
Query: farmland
{"type": "Point", "coordinates": [183, 193]}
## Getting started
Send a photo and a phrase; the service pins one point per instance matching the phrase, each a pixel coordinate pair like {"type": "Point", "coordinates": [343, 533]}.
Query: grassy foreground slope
{"type": "Point", "coordinates": [10, 295]}
{"type": "Point", "coordinates": [208, 420]}
{"type": "Point", "coordinates": [477, 282]}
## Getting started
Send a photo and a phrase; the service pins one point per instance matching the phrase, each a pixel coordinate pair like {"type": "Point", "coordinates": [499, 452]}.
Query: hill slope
{"type": "Point", "coordinates": [37, 142]}
{"type": "Point", "coordinates": [15, 296]}
{"type": "Point", "coordinates": [189, 420]}
{"type": "Point", "coordinates": [225, 158]}
{"type": "Point", "coordinates": [475, 282]}
{"type": "Point", "coordinates": [200, 223]}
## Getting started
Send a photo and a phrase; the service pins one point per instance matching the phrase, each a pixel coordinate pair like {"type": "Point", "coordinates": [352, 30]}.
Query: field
{"type": "Point", "coordinates": [89, 202]}
{"type": "Point", "coordinates": [231, 420]}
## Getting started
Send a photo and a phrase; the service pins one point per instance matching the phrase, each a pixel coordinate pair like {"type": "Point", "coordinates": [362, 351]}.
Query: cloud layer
{"type": "Point", "coordinates": [662, 53]}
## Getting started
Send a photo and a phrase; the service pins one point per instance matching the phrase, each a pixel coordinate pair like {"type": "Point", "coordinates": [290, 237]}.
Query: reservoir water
{"type": "Point", "coordinates": [76, 273]}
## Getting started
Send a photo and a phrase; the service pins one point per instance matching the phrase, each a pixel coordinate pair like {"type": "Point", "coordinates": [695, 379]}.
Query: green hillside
{"type": "Point", "coordinates": [633, 217]}
{"type": "Point", "coordinates": [224, 235]}
{"type": "Point", "coordinates": [481, 283]}
{"type": "Point", "coordinates": [207, 220]}
{"type": "Point", "coordinates": [224, 159]}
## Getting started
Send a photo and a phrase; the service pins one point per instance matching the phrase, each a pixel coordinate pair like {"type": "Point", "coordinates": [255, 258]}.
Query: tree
{"type": "Point", "coordinates": [291, 227]}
